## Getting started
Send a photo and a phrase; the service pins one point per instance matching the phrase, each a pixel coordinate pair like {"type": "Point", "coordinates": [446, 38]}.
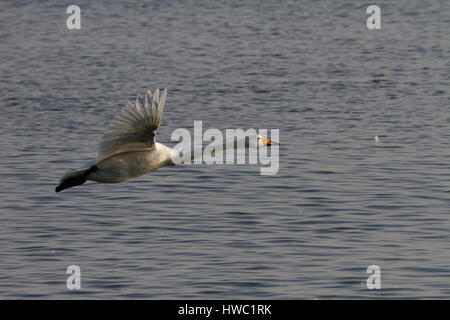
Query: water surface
{"type": "Point", "coordinates": [339, 203]}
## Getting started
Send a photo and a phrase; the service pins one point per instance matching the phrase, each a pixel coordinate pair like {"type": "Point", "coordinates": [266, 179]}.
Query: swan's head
{"type": "Point", "coordinates": [261, 141]}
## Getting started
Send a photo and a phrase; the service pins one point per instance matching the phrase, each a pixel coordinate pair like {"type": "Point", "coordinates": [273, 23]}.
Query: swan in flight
{"type": "Point", "coordinates": [128, 149]}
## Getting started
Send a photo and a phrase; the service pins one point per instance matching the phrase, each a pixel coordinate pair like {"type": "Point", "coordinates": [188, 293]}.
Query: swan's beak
{"type": "Point", "coordinates": [266, 141]}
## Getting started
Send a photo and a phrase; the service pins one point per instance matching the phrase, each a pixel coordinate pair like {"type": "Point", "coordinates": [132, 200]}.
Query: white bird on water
{"type": "Point", "coordinates": [129, 150]}
{"type": "Point", "coordinates": [377, 140]}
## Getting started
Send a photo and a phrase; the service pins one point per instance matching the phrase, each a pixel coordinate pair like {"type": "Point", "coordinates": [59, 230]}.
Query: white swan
{"type": "Point", "coordinates": [129, 150]}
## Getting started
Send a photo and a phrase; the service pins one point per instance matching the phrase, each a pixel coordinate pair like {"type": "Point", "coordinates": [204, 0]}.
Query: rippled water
{"type": "Point", "coordinates": [339, 203]}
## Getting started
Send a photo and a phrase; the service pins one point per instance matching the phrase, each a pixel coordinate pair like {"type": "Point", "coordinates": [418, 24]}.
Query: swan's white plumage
{"type": "Point", "coordinates": [128, 148]}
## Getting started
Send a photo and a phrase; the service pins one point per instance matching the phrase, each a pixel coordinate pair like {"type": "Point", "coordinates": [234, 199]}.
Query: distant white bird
{"type": "Point", "coordinates": [377, 140]}
{"type": "Point", "coordinates": [129, 150]}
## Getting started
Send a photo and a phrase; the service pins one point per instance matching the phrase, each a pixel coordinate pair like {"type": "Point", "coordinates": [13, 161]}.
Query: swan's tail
{"type": "Point", "coordinates": [74, 178]}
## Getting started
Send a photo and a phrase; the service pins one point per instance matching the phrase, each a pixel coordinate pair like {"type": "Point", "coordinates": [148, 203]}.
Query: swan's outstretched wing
{"type": "Point", "coordinates": [135, 127]}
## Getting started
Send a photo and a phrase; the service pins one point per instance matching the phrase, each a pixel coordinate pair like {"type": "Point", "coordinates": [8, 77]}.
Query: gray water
{"type": "Point", "coordinates": [339, 203]}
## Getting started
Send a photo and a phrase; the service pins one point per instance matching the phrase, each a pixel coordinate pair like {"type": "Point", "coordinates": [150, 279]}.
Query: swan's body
{"type": "Point", "coordinates": [131, 164]}
{"type": "Point", "coordinates": [129, 150]}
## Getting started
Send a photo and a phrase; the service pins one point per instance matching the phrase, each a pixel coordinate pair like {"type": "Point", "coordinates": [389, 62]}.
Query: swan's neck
{"type": "Point", "coordinates": [165, 154]}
